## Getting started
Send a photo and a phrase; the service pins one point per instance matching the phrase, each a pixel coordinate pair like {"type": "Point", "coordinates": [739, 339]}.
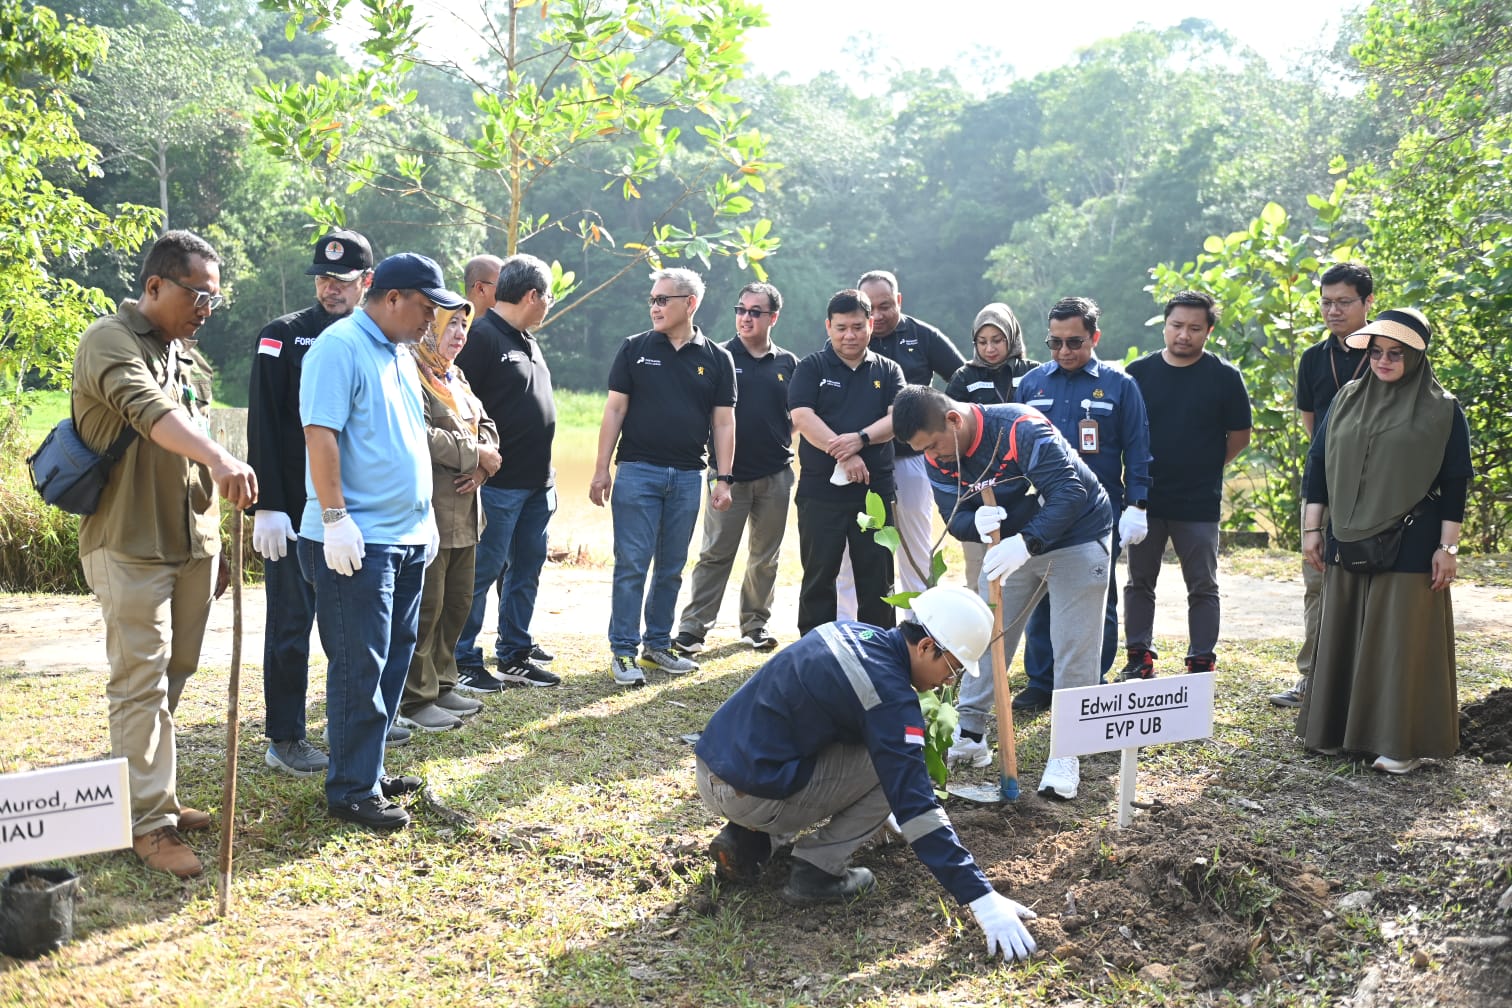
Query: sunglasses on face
{"type": "Point", "coordinates": [741, 311]}
{"type": "Point", "coordinates": [202, 299]}
{"type": "Point", "coordinates": [1074, 343]}
{"type": "Point", "coordinates": [1393, 356]}
{"type": "Point", "coordinates": [660, 300]}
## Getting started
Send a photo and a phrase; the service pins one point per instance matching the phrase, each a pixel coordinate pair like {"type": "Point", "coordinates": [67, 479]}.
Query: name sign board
{"type": "Point", "coordinates": [64, 811]}
{"type": "Point", "coordinates": [1126, 715]}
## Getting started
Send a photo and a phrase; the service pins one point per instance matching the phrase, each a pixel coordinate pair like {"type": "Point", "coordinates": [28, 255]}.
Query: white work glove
{"type": "Point", "coordinates": [1133, 526]}
{"type": "Point", "coordinates": [989, 520]}
{"type": "Point", "coordinates": [1005, 558]}
{"type": "Point", "coordinates": [1002, 921]}
{"type": "Point", "coordinates": [344, 546]}
{"type": "Point", "coordinates": [272, 531]}
{"type": "Point", "coordinates": [433, 547]}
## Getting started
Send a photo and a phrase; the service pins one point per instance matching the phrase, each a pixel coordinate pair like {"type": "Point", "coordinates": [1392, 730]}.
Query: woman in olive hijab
{"type": "Point", "coordinates": [1393, 442]}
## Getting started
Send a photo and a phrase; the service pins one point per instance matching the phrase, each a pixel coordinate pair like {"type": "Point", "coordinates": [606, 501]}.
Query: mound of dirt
{"type": "Point", "coordinates": [1486, 727]}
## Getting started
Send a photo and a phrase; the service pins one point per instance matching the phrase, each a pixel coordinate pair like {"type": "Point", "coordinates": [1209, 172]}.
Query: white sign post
{"type": "Point", "coordinates": [64, 811]}
{"type": "Point", "coordinates": [1127, 715]}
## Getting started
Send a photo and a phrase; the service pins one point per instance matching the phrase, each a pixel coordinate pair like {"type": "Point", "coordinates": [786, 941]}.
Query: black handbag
{"type": "Point", "coordinates": [68, 474]}
{"type": "Point", "coordinates": [1374, 554]}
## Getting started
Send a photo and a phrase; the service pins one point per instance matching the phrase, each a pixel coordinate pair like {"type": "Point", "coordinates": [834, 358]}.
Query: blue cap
{"type": "Point", "coordinates": [412, 271]}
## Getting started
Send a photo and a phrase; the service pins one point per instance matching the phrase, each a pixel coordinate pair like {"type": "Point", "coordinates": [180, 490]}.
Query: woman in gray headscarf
{"type": "Point", "coordinates": [1392, 443]}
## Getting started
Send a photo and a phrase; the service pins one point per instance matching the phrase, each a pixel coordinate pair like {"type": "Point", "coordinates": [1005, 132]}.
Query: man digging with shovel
{"type": "Point", "coordinates": [829, 731]}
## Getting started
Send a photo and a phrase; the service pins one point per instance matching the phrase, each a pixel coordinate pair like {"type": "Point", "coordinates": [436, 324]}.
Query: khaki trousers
{"type": "Point", "coordinates": [155, 615]}
{"type": "Point", "coordinates": [445, 602]}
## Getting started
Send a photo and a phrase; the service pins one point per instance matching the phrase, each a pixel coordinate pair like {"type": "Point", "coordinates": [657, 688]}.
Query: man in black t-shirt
{"type": "Point", "coordinates": [503, 363]}
{"type": "Point", "coordinates": [1199, 414]}
{"type": "Point", "coordinates": [763, 486]}
{"type": "Point", "coordinates": [669, 388]}
{"type": "Point", "coordinates": [841, 402]}
{"type": "Point", "coordinates": [1348, 293]}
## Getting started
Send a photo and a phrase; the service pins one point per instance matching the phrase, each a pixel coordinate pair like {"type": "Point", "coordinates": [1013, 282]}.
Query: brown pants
{"type": "Point", "coordinates": [444, 604]}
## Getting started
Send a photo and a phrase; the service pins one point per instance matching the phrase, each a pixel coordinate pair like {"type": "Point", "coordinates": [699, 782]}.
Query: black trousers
{"type": "Point", "coordinates": [824, 529]}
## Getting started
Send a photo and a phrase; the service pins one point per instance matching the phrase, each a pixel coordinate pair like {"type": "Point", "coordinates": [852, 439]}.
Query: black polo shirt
{"type": "Point", "coordinates": [922, 351]}
{"type": "Point", "coordinates": [847, 400]}
{"type": "Point", "coordinates": [673, 394]}
{"type": "Point", "coordinates": [763, 425]}
{"type": "Point", "coordinates": [1325, 368]}
{"type": "Point", "coordinates": [509, 376]}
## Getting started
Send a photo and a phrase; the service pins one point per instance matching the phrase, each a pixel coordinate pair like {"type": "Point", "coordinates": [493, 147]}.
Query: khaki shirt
{"type": "Point", "coordinates": [157, 505]}
{"type": "Point", "coordinates": [454, 451]}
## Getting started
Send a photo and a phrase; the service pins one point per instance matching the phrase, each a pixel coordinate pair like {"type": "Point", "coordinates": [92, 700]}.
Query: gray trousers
{"type": "Point", "coordinates": [763, 504]}
{"type": "Point", "coordinates": [1312, 607]}
{"type": "Point", "coordinates": [1196, 546]}
{"type": "Point", "coordinates": [1076, 578]}
{"type": "Point", "coordinates": [844, 790]}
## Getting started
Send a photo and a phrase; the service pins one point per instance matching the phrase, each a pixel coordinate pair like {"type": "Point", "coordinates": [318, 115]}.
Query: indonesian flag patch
{"type": "Point", "coordinates": [271, 347]}
{"type": "Point", "coordinates": [912, 735]}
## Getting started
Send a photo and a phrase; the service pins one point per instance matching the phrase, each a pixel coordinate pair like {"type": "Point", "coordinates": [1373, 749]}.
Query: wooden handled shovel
{"type": "Point", "coordinates": [1007, 746]}
{"type": "Point", "coordinates": [233, 719]}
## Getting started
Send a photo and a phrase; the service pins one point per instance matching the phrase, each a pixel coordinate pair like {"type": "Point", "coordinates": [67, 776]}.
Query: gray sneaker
{"type": "Point", "coordinates": [397, 736]}
{"type": "Point", "coordinates": [296, 757]}
{"type": "Point", "coordinates": [625, 671]}
{"type": "Point", "coordinates": [429, 718]}
{"type": "Point", "coordinates": [455, 703]}
{"type": "Point", "coordinates": [662, 660]}
{"type": "Point", "coordinates": [1291, 696]}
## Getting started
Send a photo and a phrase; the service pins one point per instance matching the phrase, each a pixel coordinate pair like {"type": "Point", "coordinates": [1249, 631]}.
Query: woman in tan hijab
{"type": "Point", "coordinates": [464, 453]}
{"type": "Point", "coordinates": [1393, 444]}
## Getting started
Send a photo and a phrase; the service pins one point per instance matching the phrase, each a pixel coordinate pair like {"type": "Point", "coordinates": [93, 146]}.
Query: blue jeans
{"type": "Point", "coordinates": [286, 648]}
{"type": "Point", "coordinates": [654, 509]}
{"type": "Point", "coordinates": [1039, 656]}
{"type": "Point", "coordinates": [511, 554]}
{"type": "Point", "coordinates": [368, 623]}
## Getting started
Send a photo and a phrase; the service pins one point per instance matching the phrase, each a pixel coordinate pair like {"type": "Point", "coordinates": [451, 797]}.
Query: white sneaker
{"type": "Point", "coordinates": [964, 750]}
{"type": "Point", "coordinates": [1061, 778]}
{"type": "Point", "coordinates": [1395, 766]}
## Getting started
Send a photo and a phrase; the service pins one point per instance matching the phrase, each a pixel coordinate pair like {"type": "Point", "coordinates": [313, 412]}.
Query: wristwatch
{"type": "Point", "coordinates": [865, 438]}
{"type": "Point", "coordinates": [725, 478]}
{"type": "Point", "coordinates": [1451, 549]}
{"type": "Point", "coordinates": [330, 516]}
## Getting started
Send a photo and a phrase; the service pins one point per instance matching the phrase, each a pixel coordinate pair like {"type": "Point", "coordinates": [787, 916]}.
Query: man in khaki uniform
{"type": "Point", "coordinates": [149, 550]}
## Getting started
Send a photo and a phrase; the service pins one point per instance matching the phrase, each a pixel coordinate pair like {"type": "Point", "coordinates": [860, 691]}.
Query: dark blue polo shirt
{"type": "Point", "coordinates": [847, 400]}
{"type": "Point", "coordinates": [763, 425]}
{"type": "Point", "coordinates": [673, 394]}
{"type": "Point", "coordinates": [509, 376]}
{"type": "Point", "coordinates": [922, 351]}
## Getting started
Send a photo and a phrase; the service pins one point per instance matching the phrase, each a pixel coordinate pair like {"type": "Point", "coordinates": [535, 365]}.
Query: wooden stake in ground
{"type": "Point", "coordinates": [233, 718]}
{"type": "Point", "coordinates": [1007, 745]}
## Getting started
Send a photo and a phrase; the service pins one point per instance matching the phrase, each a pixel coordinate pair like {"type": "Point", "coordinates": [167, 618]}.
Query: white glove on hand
{"type": "Point", "coordinates": [1005, 558]}
{"type": "Point", "coordinates": [432, 548]}
{"type": "Point", "coordinates": [989, 520]}
{"type": "Point", "coordinates": [1002, 921]}
{"type": "Point", "coordinates": [1133, 526]}
{"type": "Point", "coordinates": [344, 546]}
{"type": "Point", "coordinates": [272, 531]}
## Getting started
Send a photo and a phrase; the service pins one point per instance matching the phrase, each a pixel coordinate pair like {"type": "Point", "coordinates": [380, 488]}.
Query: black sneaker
{"type": "Point", "coordinates": [477, 679]}
{"type": "Point", "coordinates": [540, 654]}
{"type": "Point", "coordinates": [1141, 665]}
{"type": "Point", "coordinates": [524, 672]}
{"type": "Point", "coordinates": [686, 643]}
{"type": "Point", "coordinates": [759, 640]}
{"type": "Point", "coordinates": [739, 853]}
{"type": "Point", "coordinates": [808, 885]}
{"type": "Point", "coordinates": [373, 812]}
{"type": "Point", "coordinates": [394, 787]}
{"type": "Point", "coordinates": [1031, 700]}
{"type": "Point", "coordinates": [1201, 663]}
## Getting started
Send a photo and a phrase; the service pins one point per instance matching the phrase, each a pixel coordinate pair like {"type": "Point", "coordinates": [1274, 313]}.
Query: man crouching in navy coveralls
{"type": "Point", "coordinates": [830, 731]}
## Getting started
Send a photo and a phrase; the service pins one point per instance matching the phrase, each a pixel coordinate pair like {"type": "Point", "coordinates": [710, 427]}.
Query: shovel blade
{"type": "Point", "coordinates": [980, 794]}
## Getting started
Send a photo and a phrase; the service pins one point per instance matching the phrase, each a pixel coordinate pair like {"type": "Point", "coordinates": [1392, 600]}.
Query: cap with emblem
{"type": "Point", "coordinates": [345, 255]}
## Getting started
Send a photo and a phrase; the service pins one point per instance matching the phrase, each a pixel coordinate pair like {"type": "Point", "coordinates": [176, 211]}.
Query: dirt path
{"type": "Point", "coordinates": [51, 632]}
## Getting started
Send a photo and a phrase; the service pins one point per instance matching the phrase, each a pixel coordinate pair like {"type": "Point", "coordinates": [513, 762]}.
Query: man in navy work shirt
{"type": "Point", "coordinates": [841, 401]}
{"type": "Point", "coordinates": [763, 486]}
{"type": "Point", "coordinates": [1348, 294]}
{"type": "Point", "coordinates": [506, 369]}
{"type": "Point", "coordinates": [1098, 410]}
{"type": "Point", "coordinates": [669, 387]}
{"type": "Point", "coordinates": [343, 268]}
{"type": "Point", "coordinates": [1199, 421]}
{"type": "Point", "coordinates": [829, 731]}
{"type": "Point", "coordinates": [1059, 546]}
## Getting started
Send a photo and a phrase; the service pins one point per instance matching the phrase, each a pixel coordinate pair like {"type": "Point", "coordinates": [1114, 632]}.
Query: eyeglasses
{"type": "Point", "coordinates": [202, 299]}
{"type": "Point", "coordinates": [547, 298]}
{"type": "Point", "coordinates": [660, 300]}
{"type": "Point", "coordinates": [1392, 356]}
{"type": "Point", "coordinates": [741, 311]}
{"type": "Point", "coordinates": [1074, 343]}
{"type": "Point", "coordinates": [1329, 303]}
{"type": "Point", "coordinates": [956, 670]}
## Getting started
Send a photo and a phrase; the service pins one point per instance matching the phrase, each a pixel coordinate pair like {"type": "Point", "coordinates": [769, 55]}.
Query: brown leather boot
{"type": "Point", "coordinates": [192, 819]}
{"type": "Point", "coordinates": [164, 850]}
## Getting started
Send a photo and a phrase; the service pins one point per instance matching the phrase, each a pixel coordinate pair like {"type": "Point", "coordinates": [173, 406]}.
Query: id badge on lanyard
{"type": "Point", "coordinates": [1086, 431]}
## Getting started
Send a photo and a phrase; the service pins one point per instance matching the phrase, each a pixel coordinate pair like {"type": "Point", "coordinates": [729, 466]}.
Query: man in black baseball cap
{"type": "Point", "coordinates": [345, 255]}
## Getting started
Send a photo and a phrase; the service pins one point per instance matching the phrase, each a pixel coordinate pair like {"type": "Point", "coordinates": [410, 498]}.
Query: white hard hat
{"type": "Point", "coordinates": [957, 619]}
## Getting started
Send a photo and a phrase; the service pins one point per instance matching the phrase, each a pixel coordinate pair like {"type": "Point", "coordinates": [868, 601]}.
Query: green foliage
{"type": "Point", "coordinates": [1266, 281]}
{"type": "Point", "coordinates": [48, 227]}
{"type": "Point", "coordinates": [940, 721]}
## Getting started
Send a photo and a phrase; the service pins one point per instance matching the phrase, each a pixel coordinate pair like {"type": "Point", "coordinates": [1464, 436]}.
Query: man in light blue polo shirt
{"type": "Point", "coordinates": [367, 532]}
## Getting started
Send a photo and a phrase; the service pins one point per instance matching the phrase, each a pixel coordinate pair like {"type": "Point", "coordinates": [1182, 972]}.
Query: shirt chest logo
{"type": "Point", "coordinates": [649, 360]}
{"type": "Point", "coordinates": [829, 382]}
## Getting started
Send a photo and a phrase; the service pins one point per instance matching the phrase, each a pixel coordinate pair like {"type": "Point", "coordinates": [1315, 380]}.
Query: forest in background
{"type": "Point", "coordinates": [602, 137]}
